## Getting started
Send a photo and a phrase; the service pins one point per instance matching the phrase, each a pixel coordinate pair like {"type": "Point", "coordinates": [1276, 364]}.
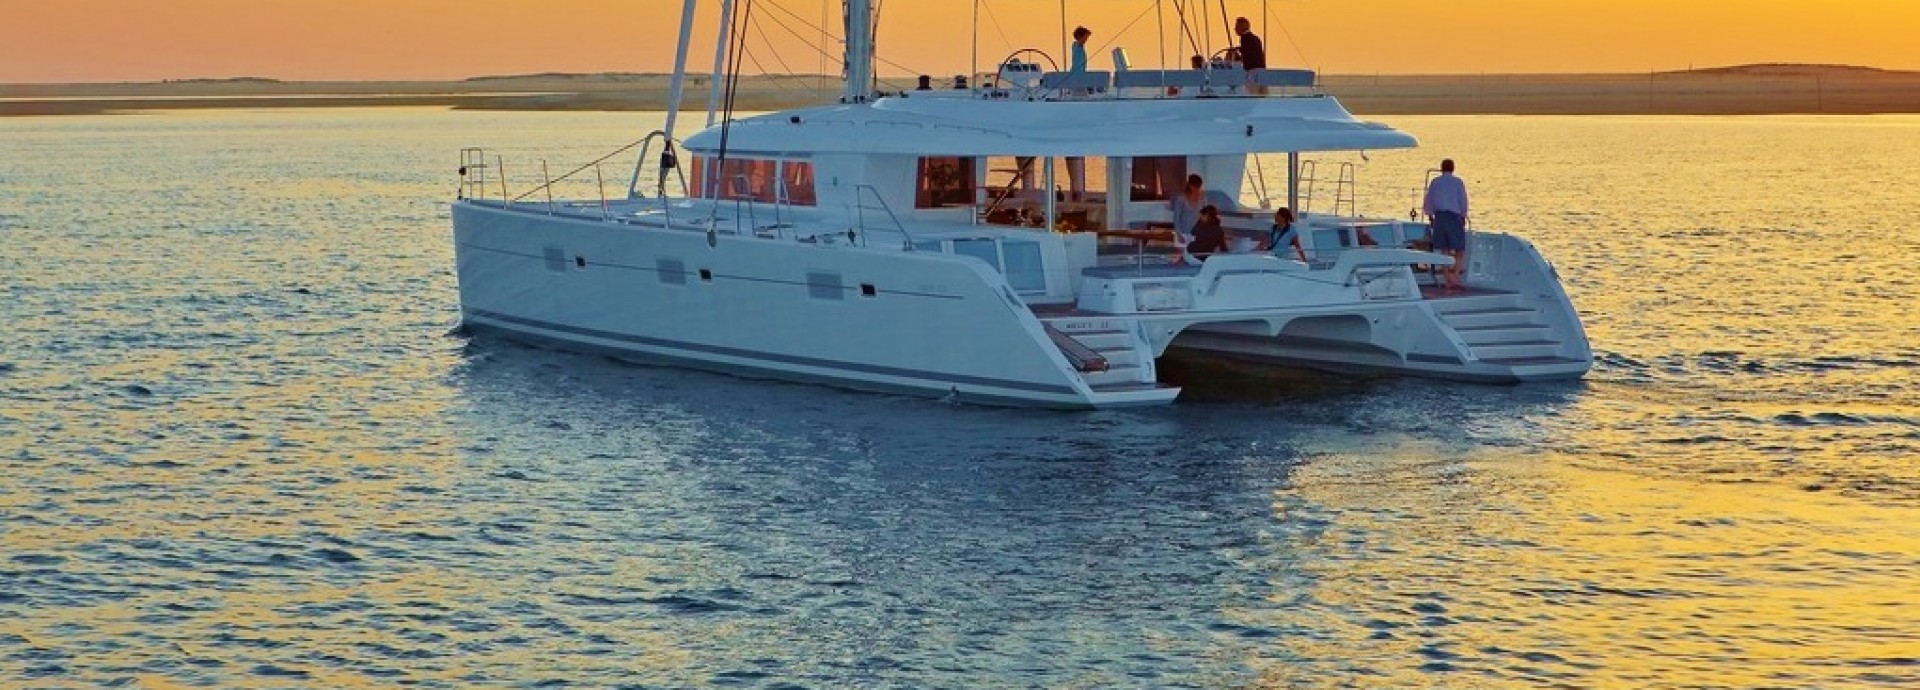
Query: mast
{"type": "Point", "coordinates": [719, 61]}
{"type": "Point", "coordinates": [675, 91]}
{"type": "Point", "coordinates": [678, 87]}
{"type": "Point", "coordinates": [859, 55]}
{"type": "Point", "coordinates": [973, 60]}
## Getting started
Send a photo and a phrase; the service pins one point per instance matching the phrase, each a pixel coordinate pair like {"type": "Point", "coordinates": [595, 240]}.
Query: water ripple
{"type": "Point", "coordinates": [284, 468]}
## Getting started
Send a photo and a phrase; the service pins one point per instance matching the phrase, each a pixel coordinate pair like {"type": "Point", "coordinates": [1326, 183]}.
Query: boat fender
{"type": "Point", "coordinates": [1249, 131]}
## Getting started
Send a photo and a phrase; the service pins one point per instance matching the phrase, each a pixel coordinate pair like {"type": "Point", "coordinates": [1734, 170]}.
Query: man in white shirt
{"type": "Point", "coordinates": [1446, 208]}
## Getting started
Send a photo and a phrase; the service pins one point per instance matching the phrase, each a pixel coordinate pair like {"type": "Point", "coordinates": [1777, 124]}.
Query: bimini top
{"type": "Point", "coordinates": [965, 126]}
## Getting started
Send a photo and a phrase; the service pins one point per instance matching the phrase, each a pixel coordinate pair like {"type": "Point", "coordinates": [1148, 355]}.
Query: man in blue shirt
{"type": "Point", "coordinates": [1079, 62]}
{"type": "Point", "coordinates": [1446, 207]}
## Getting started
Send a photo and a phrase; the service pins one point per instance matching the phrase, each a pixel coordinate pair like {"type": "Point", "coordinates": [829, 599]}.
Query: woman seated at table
{"type": "Point", "coordinates": [1208, 235]}
{"type": "Point", "coordinates": [1283, 235]}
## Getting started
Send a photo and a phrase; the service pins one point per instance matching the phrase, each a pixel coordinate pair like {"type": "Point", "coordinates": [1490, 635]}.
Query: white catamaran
{"type": "Point", "coordinates": [918, 242]}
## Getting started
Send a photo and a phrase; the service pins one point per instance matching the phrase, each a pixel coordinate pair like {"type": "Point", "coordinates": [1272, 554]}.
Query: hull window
{"type": "Point", "coordinates": [824, 285]}
{"type": "Point", "coordinates": [672, 271]}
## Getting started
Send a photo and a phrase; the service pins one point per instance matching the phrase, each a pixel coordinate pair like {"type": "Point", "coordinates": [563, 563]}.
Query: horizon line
{"type": "Point", "coordinates": [620, 73]}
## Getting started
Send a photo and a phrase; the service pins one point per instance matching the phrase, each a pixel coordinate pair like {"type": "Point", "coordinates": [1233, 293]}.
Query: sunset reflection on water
{"type": "Point", "coordinates": [242, 447]}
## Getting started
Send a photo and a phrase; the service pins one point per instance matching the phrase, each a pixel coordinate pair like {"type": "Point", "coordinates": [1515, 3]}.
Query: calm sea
{"type": "Point", "coordinates": [241, 446]}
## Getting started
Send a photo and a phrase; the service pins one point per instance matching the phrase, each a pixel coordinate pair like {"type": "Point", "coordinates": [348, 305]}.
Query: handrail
{"type": "Point", "coordinates": [1309, 174]}
{"type": "Point", "coordinates": [1260, 180]}
{"type": "Point", "coordinates": [1346, 185]}
{"type": "Point", "coordinates": [547, 186]}
{"type": "Point", "coordinates": [753, 218]}
{"type": "Point", "coordinates": [1420, 195]}
{"type": "Point", "coordinates": [860, 217]}
{"type": "Point", "coordinates": [473, 173]}
{"type": "Point", "coordinates": [601, 180]}
{"type": "Point", "coordinates": [640, 162]}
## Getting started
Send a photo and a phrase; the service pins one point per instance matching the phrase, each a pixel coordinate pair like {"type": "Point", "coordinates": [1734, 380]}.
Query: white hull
{"type": "Point", "coordinates": [936, 325]}
{"type": "Point", "coordinates": [947, 243]}
{"type": "Point", "coordinates": [946, 326]}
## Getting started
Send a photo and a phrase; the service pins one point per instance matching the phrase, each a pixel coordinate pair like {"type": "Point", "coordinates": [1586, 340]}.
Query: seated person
{"type": "Point", "coordinates": [1208, 235]}
{"type": "Point", "coordinates": [1283, 235]}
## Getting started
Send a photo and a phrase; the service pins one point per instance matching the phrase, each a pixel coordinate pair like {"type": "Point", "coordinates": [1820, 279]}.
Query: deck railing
{"type": "Point", "coordinates": [860, 209]}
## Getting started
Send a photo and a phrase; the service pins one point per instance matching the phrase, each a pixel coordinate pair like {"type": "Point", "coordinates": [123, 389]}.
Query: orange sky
{"type": "Point", "coordinates": [142, 40]}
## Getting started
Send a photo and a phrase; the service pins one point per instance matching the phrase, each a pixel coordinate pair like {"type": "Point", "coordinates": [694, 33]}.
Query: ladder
{"type": "Point", "coordinates": [473, 173]}
{"type": "Point", "coordinates": [1345, 188]}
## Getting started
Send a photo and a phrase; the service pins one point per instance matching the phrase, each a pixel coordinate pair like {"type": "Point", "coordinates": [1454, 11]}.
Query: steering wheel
{"type": "Point", "coordinates": [1014, 59]}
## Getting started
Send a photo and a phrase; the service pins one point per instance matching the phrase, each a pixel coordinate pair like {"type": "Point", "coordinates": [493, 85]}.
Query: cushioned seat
{"type": "Point", "coordinates": [1284, 77]}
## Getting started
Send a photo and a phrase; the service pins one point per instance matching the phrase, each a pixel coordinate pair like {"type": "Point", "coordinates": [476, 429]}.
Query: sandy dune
{"type": "Point", "coordinates": [1755, 89]}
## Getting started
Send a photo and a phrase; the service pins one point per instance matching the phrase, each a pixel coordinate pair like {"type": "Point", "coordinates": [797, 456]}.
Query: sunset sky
{"type": "Point", "coordinates": [146, 40]}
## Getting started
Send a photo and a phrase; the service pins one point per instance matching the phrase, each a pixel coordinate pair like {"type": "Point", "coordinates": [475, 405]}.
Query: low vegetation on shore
{"type": "Point", "coordinates": [1737, 90]}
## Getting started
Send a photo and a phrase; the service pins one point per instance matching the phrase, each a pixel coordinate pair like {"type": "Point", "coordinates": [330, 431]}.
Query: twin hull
{"type": "Point", "coordinates": [942, 325]}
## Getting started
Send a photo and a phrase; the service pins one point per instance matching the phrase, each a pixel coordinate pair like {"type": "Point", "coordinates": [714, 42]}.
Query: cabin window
{"type": "Point", "coordinates": [1017, 178]}
{"type": "Point", "coordinates": [743, 179]}
{"type": "Point", "coordinates": [982, 249]}
{"type": "Point", "coordinates": [1025, 272]}
{"type": "Point", "coordinates": [1083, 179]}
{"type": "Point", "coordinates": [753, 179]}
{"type": "Point", "coordinates": [747, 179]}
{"type": "Point", "coordinates": [697, 176]}
{"type": "Point", "coordinates": [1158, 178]}
{"type": "Point", "coordinates": [944, 181]}
{"type": "Point", "coordinates": [796, 177]}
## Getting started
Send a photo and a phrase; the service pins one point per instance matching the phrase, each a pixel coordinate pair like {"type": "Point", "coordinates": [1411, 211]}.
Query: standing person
{"type": "Point", "coordinates": [1253, 53]}
{"type": "Point", "coordinates": [1446, 206]}
{"type": "Point", "coordinates": [1079, 62]}
{"type": "Point", "coordinates": [1186, 207]}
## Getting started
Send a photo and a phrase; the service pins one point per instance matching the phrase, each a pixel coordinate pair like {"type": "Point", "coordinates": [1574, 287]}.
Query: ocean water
{"type": "Point", "coordinates": [242, 445]}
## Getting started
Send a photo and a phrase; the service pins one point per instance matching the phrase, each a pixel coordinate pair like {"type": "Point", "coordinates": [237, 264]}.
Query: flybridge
{"type": "Point", "coordinates": [1027, 73]}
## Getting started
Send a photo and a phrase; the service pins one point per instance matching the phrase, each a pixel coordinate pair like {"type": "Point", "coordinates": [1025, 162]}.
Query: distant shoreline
{"type": "Point", "coordinates": [1746, 90]}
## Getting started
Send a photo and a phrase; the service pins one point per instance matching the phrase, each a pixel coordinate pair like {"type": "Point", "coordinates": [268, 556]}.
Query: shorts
{"type": "Point", "coordinates": [1449, 232]}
